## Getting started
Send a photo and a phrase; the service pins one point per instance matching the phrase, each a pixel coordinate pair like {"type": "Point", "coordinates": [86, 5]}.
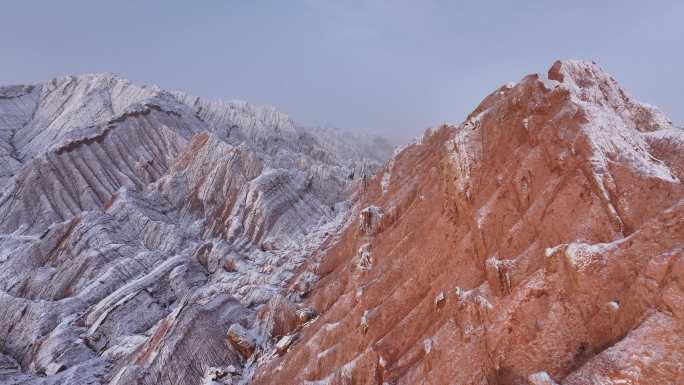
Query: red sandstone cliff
{"type": "Point", "coordinates": [539, 242]}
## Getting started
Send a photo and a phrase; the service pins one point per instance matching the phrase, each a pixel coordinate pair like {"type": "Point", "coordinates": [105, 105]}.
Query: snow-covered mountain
{"type": "Point", "coordinates": [137, 225]}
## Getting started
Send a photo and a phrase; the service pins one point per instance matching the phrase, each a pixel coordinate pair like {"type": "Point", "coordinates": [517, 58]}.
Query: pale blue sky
{"type": "Point", "coordinates": [389, 67]}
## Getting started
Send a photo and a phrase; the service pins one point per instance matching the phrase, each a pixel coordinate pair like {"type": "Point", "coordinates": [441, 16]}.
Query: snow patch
{"type": "Point", "coordinates": [465, 149]}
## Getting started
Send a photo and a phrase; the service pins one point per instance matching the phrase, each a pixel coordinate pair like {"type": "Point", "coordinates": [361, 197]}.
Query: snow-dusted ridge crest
{"type": "Point", "coordinates": [135, 222]}
{"type": "Point", "coordinates": [615, 127]}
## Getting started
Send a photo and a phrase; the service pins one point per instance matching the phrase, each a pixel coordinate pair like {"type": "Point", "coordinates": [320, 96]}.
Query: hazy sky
{"type": "Point", "coordinates": [390, 67]}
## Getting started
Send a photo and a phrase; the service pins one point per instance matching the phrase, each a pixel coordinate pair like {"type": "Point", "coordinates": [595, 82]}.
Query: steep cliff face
{"type": "Point", "coordinates": [138, 226]}
{"type": "Point", "coordinates": [539, 242]}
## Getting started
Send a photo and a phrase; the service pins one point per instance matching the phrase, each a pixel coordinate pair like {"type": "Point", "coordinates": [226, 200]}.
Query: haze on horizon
{"type": "Point", "coordinates": [387, 67]}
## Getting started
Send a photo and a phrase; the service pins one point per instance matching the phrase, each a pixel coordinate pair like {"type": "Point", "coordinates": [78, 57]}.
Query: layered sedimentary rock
{"type": "Point", "coordinates": [539, 242]}
{"type": "Point", "coordinates": [138, 226]}
{"type": "Point", "coordinates": [149, 237]}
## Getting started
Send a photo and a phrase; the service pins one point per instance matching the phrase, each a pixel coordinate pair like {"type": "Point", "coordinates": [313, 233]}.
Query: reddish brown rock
{"type": "Point", "coordinates": [240, 339]}
{"type": "Point", "coordinates": [539, 242]}
{"type": "Point", "coordinates": [278, 317]}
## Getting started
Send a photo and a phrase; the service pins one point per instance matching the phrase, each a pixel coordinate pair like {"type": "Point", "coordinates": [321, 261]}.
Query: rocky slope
{"type": "Point", "coordinates": [149, 237]}
{"type": "Point", "coordinates": [138, 225]}
{"type": "Point", "coordinates": [539, 242]}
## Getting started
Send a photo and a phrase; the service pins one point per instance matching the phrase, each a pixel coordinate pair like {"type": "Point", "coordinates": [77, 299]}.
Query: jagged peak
{"type": "Point", "coordinates": [574, 69]}
{"type": "Point", "coordinates": [98, 80]}
{"type": "Point", "coordinates": [109, 80]}
{"type": "Point", "coordinates": [236, 110]}
{"type": "Point", "coordinates": [589, 83]}
{"type": "Point", "coordinates": [95, 77]}
{"type": "Point", "coordinates": [579, 105]}
{"type": "Point", "coordinates": [122, 96]}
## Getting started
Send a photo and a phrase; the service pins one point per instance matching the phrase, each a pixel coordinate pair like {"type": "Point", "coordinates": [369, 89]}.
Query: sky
{"type": "Point", "coordinates": [389, 67]}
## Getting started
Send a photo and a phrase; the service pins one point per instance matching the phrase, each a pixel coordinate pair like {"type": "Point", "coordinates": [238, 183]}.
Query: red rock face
{"type": "Point", "coordinates": [539, 242]}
